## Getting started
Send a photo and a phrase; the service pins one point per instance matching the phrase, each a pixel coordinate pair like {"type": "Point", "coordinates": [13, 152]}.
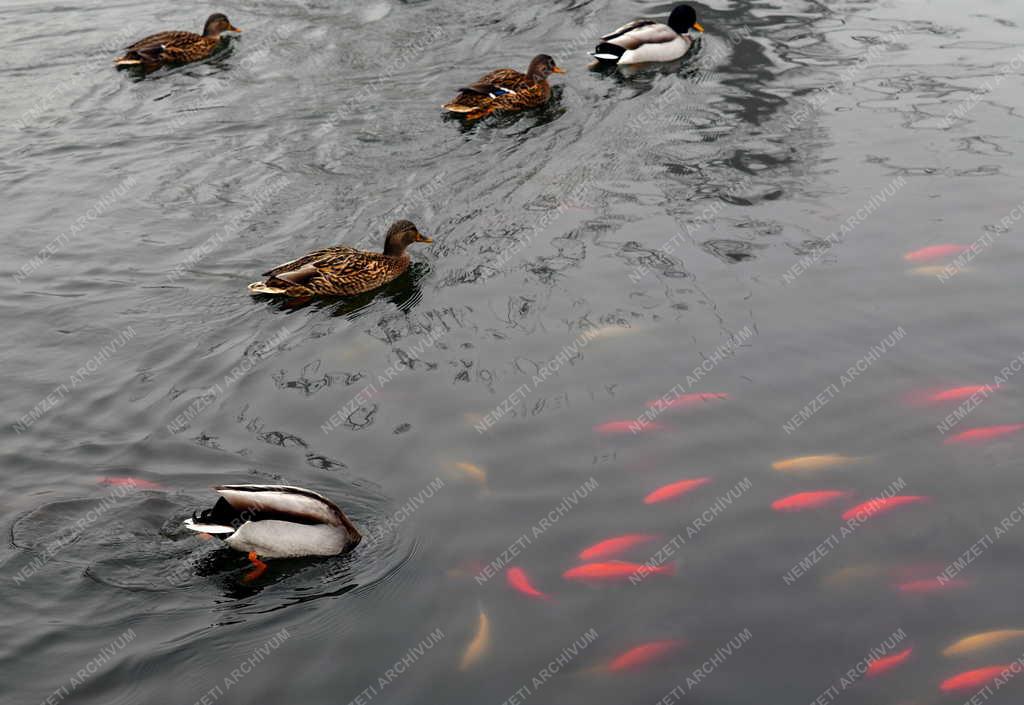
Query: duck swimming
{"type": "Point", "coordinates": [647, 41]}
{"type": "Point", "coordinates": [177, 47]}
{"type": "Point", "coordinates": [505, 90]}
{"type": "Point", "coordinates": [276, 521]}
{"type": "Point", "coordinates": [342, 270]}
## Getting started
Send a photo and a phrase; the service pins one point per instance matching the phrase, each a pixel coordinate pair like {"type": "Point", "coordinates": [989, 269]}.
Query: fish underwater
{"type": "Point", "coordinates": [615, 546]}
{"type": "Point", "coordinates": [642, 655]}
{"type": "Point", "coordinates": [474, 472]}
{"type": "Point", "coordinates": [629, 426]}
{"type": "Point", "coordinates": [519, 581]}
{"type": "Point", "coordinates": [687, 401]}
{"type": "Point", "coordinates": [480, 643]}
{"type": "Point", "coordinates": [982, 641]}
{"type": "Point", "coordinates": [615, 570]}
{"type": "Point", "coordinates": [887, 663]}
{"type": "Point", "coordinates": [136, 482]}
{"type": "Point", "coordinates": [808, 500]}
{"type": "Point", "coordinates": [973, 680]}
{"type": "Point", "coordinates": [675, 489]}
{"type": "Point", "coordinates": [984, 433]}
{"type": "Point", "coordinates": [880, 505]}
{"type": "Point", "coordinates": [934, 252]}
{"type": "Point", "coordinates": [811, 463]}
{"type": "Point", "coordinates": [929, 585]}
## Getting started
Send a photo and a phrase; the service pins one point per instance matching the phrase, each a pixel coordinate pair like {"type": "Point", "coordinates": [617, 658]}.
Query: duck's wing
{"type": "Point", "coordinates": [166, 39]}
{"type": "Point", "coordinates": [285, 501]}
{"type": "Point", "coordinates": [640, 32]}
{"type": "Point", "coordinates": [314, 257]}
{"type": "Point", "coordinates": [500, 82]}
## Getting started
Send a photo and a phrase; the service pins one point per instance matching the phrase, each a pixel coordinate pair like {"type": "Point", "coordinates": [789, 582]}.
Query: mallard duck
{"type": "Point", "coordinates": [276, 521]}
{"type": "Point", "coordinates": [506, 89]}
{"type": "Point", "coordinates": [177, 47]}
{"type": "Point", "coordinates": [342, 270]}
{"type": "Point", "coordinates": [647, 41]}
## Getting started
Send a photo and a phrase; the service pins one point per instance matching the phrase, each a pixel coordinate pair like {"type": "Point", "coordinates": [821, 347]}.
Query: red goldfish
{"type": "Point", "coordinates": [614, 546]}
{"type": "Point", "coordinates": [887, 663]}
{"type": "Point", "coordinates": [642, 655]}
{"type": "Point", "coordinates": [684, 401]}
{"type": "Point", "coordinates": [628, 426]}
{"type": "Point", "coordinates": [518, 580]}
{"type": "Point", "coordinates": [615, 570]}
{"type": "Point", "coordinates": [984, 433]}
{"type": "Point", "coordinates": [137, 483]}
{"type": "Point", "coordinates": [808, 500]}
{"type": "Point", "coordinates": [972, 680]}
{"type": "Point", "coordinates": [675, 489]}
{"type": "Point", "coordinates": [929, 585]}
{"type": "Point", "coordinates": [934, 252]}
{"type": "Point", "coordinates": [878, 505]}
{"type": "Point", "coordinates": [958, 393]}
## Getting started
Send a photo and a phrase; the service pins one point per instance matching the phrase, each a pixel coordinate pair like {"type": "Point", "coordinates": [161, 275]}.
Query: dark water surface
{"type": "Point", "coordinates": [589, 257]}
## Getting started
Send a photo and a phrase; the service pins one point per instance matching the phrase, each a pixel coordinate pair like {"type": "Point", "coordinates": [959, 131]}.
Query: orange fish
{"type": "Point", "coordinates": [934, 252]}
{"type": "Point", "coordinates": [972, 680]}
{"type": "Point", "coordinates": [887, 663]}
{"type": "Point", "coordinates": [627, 427]}
{"type": "Point", "coordinates": [614, 546]}
{"type": "Point", "coordinates": [135, 482]}
{"type": "Point", "coordinates": [518, 580]}
{"type": "Point", "coordinates": [642, 655]}
{"type": "Point", "coordinates": [958, 393]}
{"type": "Point", "coordinates": [675, 489]}
{"type": "Point", "coordinates": [879, 505]}
{"type": "Point", "coordinates": [615, 570]}
{"type": "Point", "coordinates": [927, 585]}
{"type": "Point", "coordinates": [685, 401]}
{"type": "Point", "coordinates": [808, 500]}
{"type": "Point", "coordinates": [985, 433]}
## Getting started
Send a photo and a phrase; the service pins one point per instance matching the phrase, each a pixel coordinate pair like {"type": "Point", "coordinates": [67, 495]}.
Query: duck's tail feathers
{"type": "Point", "coordinates": [212, 529]}
{"type": "Point", "coordinates": [264, 288]}
{"type": "Point", "coordinates": [608, 53]}
{"type": "Point", "coordinates": [459, 108]}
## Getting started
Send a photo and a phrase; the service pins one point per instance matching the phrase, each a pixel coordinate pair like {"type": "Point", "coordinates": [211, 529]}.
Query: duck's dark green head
{"type": "Point", "coordinates": [400, 235]}
{"type": "Point", "coordinates": [541, 67]}
{"type": "Point", "coordinates": [216, 23]}
{"type": "Point", "coordinates": [684, 17]}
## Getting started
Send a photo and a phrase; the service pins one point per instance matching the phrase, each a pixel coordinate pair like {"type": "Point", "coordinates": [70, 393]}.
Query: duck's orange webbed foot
{"type": "Point", "coordinates": [258, 568]}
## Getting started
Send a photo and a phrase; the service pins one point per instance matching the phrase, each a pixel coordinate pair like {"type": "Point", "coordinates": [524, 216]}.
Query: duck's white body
{"type": "Point", "coordinates": [644, 41]}
{"type": "Point", "coordinates": [277, 521]}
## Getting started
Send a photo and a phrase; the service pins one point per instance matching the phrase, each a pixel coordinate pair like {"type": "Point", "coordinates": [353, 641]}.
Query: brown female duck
{"type": "Point", "coordinates": [506, 90]}
{"type": "Point", "coordinates": [177, 47]}
{"type": "Point", "coordinates": [341, 270]}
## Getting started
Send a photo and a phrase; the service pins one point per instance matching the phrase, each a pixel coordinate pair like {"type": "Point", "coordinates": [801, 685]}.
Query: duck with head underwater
{"type": "Point", "coordinates": [647, 41]}
{"type": "Point", "coordinates": [505, 90]}
{"type": "Point", "coordinates": [177, 47]}
{"type": "Point", "coordinates": [342, 270]}
{"type": "Point", "coordinates": [276, 521]}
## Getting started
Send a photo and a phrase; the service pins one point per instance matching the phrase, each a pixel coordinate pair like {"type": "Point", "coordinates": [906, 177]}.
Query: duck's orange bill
{"type": "Point", "coordinates": [234, 28]}
{"type": "Point", "coordinates": [558, 70]}
{"type": "Point", "coordinates": [698, 26]}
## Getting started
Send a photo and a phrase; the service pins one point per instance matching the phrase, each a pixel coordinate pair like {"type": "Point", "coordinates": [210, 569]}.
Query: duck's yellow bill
{"type": "Point", "coordinates": [698, 26]}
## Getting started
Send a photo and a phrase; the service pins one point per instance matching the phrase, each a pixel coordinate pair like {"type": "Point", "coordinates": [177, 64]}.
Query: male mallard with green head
{"type": "Point", "coordinates": [647, 41]}
{"type": "Point", "coordinates": [342, 270]}
{"type": "Point", "coordinates": [177, 47]}
{"type": "Point", "coordinates": [506, 90]}
{"type": "Point", "coordinates": [276, 521]}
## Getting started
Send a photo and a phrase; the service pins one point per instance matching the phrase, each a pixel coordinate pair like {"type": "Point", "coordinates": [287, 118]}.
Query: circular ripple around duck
{"type": "Point", "coordinates": [137, 542]}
